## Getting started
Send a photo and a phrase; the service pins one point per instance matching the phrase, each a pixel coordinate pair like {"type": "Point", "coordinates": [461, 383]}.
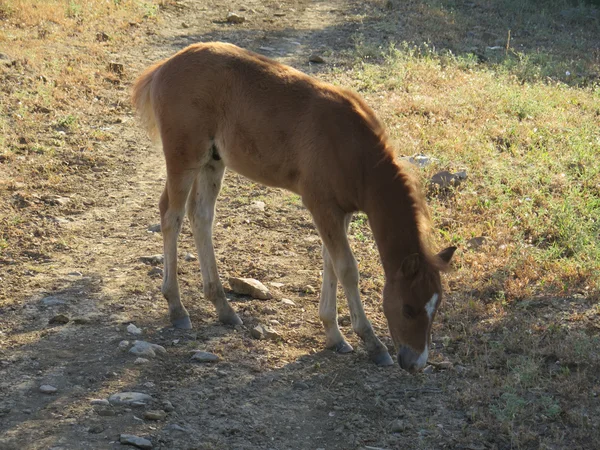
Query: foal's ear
{"type": "Point", "coordinates": [410, 265]}
{"type": "Point", "coordinates": [446, 254]}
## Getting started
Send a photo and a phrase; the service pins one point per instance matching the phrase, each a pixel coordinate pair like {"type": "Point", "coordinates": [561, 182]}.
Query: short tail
{"type": "Point", "coordinates": [142, 101]}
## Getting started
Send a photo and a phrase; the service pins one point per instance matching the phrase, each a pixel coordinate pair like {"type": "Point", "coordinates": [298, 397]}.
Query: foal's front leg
{"type": "Point", "coordinates": [332, 228]}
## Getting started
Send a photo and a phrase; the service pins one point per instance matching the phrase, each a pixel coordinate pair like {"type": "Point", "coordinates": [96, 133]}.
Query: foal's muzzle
{"type": "Point", "coordinates": [410, 360]}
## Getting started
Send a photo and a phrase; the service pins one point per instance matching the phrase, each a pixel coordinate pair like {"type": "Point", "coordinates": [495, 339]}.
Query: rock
{"type": "Point", "coordinates": [398, 426]}
{"type": "Point", "coordinates": [201, 356]}
{"type": "Point", "coordinates": [315, 58]}
{"type": "Point", "coordinates": [258, 204]}
{"type": "Point", "coordinates": [55, 200]}
{"type": "Point", "coordinates": [154, 414]}
{"type": "Point", "coordinates": [127, 398]}
{"type": "Point", "coordinates": [83, 320]}
{"type": "Point", "coordinates": [102, 37]}
{"type": "Point", "coordinates": [276, 284]}
{"type": "Point", "coordinates": [141, 361]}
{"type": "Point", "coordinates": [419, 160]}
{"type": "Point", "coordinates": [52, 301]}
{"type": "Point", "coordinates": [428, 369]}
{"type": "Point", "coordinates": [249, 286]}
{"type": "Point", "coordinates": [287, 301]}
{"type": "Point", "coordinates": [154, 228]}
{"type": "Point", "coordinates": [344, 321]}
{"type": "Point", "coordinates": [132, 329]}
{"type": "Point", "coordinates": [175, 427]}
{"type": "Point", "coordinates": [105, 411]}
{"type": "Point", "coordinates": [476, 242]}
{"type": "Point", "coordinates": [153, 260]}
{"type": "Point", "coordinates": [168, 406]}
{"type": "Point", "coordinates": [147, 349]}
{"type": "Point", "coordinates": [100, 402]}
{"type": "Point", "coordinates": [123, 345]}
{"type": "Point", "coordinates": [185, 25]}
{"type": "Point", "coordinates": [75, 274]}
{"type": "Point", "coordinates": [445, 179]}
{"type": "Point", "coordinates": [235, 18]}
{"type": "Point", "coordinates": [300, 385]}
{"type": "Point", "coordinates": [257, 332]}
{"type": "Point", "coordinates": [47, 389]}
{"type": "Point", "coordinates": [309, 289]}
{"type": "Point", "coordinates": [59, 319]}
{"type": "Point", "coordinates": [190, 257]}
{"type": "Point", "coordinates": [155, 272]}
{"type": "Point", "coordinates": [136, 441]}
{"type": "Point", "coordinates": [321, 404]}
{"type": "Point", "coordinates": [97, 428]}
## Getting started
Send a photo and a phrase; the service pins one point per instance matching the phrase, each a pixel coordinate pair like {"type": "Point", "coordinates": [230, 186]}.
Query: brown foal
{"type": "Point", "coordinates": [214, 105]}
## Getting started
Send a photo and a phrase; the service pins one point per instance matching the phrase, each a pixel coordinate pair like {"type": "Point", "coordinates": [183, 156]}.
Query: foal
{"type": "Point", "coordinates": [214, 105]}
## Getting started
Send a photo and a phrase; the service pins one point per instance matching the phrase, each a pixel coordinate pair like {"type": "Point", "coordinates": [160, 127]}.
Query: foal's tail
{"type": "Point", "coordinates": [142, 101]}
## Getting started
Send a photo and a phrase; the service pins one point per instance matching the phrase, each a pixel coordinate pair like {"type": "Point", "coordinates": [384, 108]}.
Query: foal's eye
{"type": "Point", "coordinates": [409, 312]}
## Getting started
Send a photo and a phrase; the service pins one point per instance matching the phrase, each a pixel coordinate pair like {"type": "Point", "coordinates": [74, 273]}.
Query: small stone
{"type": "Point", "coordinates": [309, 289]}
{"type": "Point", "coordinates": [235, 18]}
{"type": "Point", "coordinates": [445, 179]}
{"type": "Point", "coordinates": [190, 257]}
{"type": "Point", "coordinates": [132, 329]}
{"type": "Point", "coordinates": [276, 284]}
{"type": "Point", "coordinates": [127, 398]}
{"type": "Point", "coordinates": [249, 286]}
{"type": "Point", "coordinates": [287, 301]}
{"type": "Point", "coordinates": [258, 204]}
{"type": "Point", "coordinates": [321, 404]}
{"type": "Point", "coordinates": [271, 334]}
{"type": "Point", "coordinates": [100, 402]}
{"type": "Point", "coordinates": [257, 332]}
{"type": "Point", "coordinates": [123, 345]}
{"type": "Point", "coordinates": [136, 441]}
{"type": "Point", "coordinates": [83, 320]}
{"type": "Point", "coordinates": [47, 389]}
{"type": "Point", "coordinates": [146, 349]}
{"type": "Point", "coordinates": [97, 428]}
{"type": "Point", "coordinates": [141, 361]}
{"type": "Point", "coordinates": [315, 58]}
{"type": "Point", "coordinates": [102, 37]}
{"type": "Point", "coordinates": [344, 321]}
{"type": "Point", "coordinates": [155, 272]}
{"type": "Point", "coordinates": [105, 411]}
{"type": "Point", "coordinates": [428, 369]}
{"type": "Point", "coordinates": [168, 406]}
{"type": "Point", "coordinates": [201, 356]}
{"type": "Point", "coordinates": [419, 160]}
{"type": "Point", "coordinates": [153, 260]}
{"type": "Point", "coordinates": [59, 319]}
{"type": "Point", "coordinates": [185, 25]}
{"type": "Point", "coordinates": [154, 414]}
{"type": "Point", "coordinates": [75, 274]}
{"type": "Point", "coordinates": [300, 385]}
{"type": "Point", "coordinates": [154, 228]}
{"type": "Point", "coordinates": [476, 242]}
{"type": "Point", "coordinates": [175, 427]}
{"type": "Point", "coordinates": [52, 301]}
{"type": "Point", "coordinates": [398, 426]}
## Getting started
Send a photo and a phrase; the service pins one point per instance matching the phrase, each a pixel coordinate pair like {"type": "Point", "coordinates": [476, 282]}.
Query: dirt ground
{"type": "Point", "coordinates": [287, 393]}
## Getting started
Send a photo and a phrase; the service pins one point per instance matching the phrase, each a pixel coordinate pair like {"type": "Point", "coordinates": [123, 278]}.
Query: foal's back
{"type": "Point", "coordinates": [269, 122]}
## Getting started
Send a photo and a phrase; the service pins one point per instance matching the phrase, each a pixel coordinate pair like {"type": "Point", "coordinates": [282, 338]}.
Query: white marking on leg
{"type": "Point", "coordinates": [328, 302]}
{"type": "Point", "coordinates": [431, 306]}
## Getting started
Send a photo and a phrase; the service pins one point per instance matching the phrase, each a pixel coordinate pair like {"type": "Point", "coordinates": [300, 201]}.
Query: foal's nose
{"type": "Point", "coordinates": [411, 360]}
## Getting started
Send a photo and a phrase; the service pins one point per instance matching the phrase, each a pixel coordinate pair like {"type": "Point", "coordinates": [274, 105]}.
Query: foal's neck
{"type": "Point", "coordinates": [392, 210]}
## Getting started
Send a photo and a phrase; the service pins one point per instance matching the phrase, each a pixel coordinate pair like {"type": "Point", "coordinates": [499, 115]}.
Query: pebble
{"type": "Point", "coordinates": [146, 349]}
{"type": "Point", "coordinates": [168, 406]}
{"type": "Point", "coordinates": [476, 242]}
{"type": "Point", "coordinates": [419, 160]}
{"type": "Point", "coordinates": [321, 404]}
{"type": "Point", "coordinates": [258, 204]}
{"type": "Point", "coordinates": [202, 356]}
{"type": "Point", "coordinates": [59, 319]}
{"type": "Point", "coordinates": [445, 179]}
{"type": "Point", "coordinates": [235, 18]}
{"type": "Point", "coordinates": [175, 427]}
{"type": "Point", "coordinates": [287, 301]}
{"type": "Point", "coordinates": [315, 58]}
{"type": "Point", "coordinates": [309, 289]}
{"type": "Point", "coordinates": [153, 260]}
{"type": "Point", "coordinates": [132, 329]}
{"type": "Point", "coordinates": [249, 286]}
{"type": "Point", "coordinates": [123, 345]}
{"type": "Point", "coordinates": [75, 274]}
{"type": "Point", "coordinates": [97, 428]}
{"type": "Point", "coordinates": [140, 361]}
{"type": "Point", "coordinates": [100, 402]}
{"type": "Point", "coordinates": [428, 369]}
{"type": "Point", "coordinates": [154, 228]}
{"type": "Point", "coordinates": [136, 441]}
{"type": "Point", "coordinates": [127, 398]}
{"type": "Point", "coordinates": [398, 426]}
{"type": "Point", "coordinates": [47, 389]}
{"type": "Point", "coordinates": [154, 414]}
{"type": "Point", "coordinates": [105, 411]}
{"type": "Point", "coordinates": [257, 332]}
{"type": "Point", "coordinates": [190, 257]}
{"type": "Point", "coordinates": [156, 272]}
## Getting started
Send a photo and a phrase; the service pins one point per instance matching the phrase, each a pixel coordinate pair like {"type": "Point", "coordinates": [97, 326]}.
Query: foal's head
{"type": "Point", "coordinates": [410, 300]}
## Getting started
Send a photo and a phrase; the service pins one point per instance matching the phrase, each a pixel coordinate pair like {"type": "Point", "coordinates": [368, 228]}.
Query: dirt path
{"type": "Point", "coordinates": [263, 394]}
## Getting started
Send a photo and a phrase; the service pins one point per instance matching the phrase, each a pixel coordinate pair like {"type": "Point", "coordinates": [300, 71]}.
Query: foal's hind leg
{"type": "Point", "coordinates": [328, 304]}
{"type": "Point", "coordinates": [330, 223]}
{"type": "Point", "coordinates": [201, 212]}
{"type": "Point", "coordinates": [172, 211]}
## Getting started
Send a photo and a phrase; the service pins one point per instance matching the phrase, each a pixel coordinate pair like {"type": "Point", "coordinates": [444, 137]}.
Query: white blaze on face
{"type": "Point", "coordinates": [431, 305]}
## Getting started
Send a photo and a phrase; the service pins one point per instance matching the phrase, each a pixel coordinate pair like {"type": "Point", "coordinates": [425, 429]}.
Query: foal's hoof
{"type": "Point", "coordinates": [183, 323]}
{"type": "Point", "coordinates": [382, 359]}
{"type": "Point", "coordinates": [342, 347]}
{"type": "Point", "coordinates": [231, 319]}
